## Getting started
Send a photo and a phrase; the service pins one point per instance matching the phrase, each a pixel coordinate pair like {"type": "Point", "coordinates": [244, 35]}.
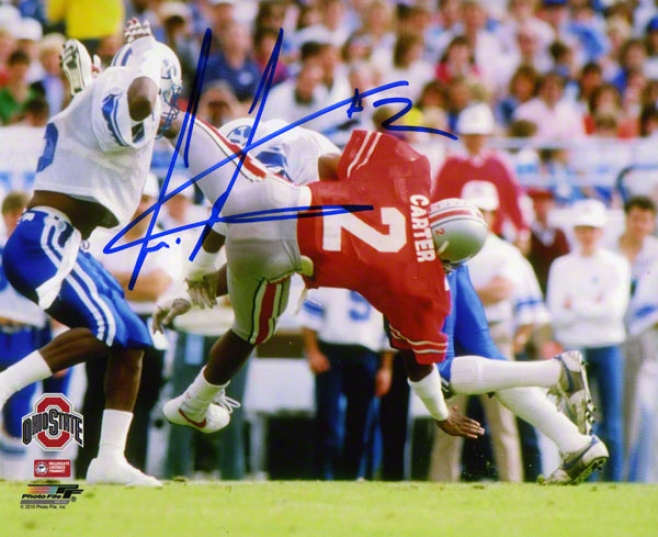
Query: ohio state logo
{"type": "Point", "coordinates": [53, 424]}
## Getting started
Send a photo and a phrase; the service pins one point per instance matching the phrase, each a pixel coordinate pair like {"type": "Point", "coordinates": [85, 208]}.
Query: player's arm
{"type": "Point", "coordinates": [202, 276]}
{"type": "Point", "coordinates": [202, 281]}
{"type": "Point", "coordinates": [144, 90]}
{"type": "Point", "coordinates": [328, 167]}
{"type": "Point", "coordinates": [425, 382]}
{"type": "Point", "coordinates": [142, 98]}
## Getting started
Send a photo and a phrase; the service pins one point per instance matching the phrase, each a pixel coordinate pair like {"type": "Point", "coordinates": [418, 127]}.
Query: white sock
{"type": "Point", "coordinates": [23, 373]}
{"type": "Point", "coordinates": [114, 432]}
{"type": "Point", "coordinates": [473, 375]}
{"type": "Point", "coordinates": [201, 393]}
{"type": "Point", "coordinates": [429, 391]}
{"type": "Point", "coordinates": [532, 405]}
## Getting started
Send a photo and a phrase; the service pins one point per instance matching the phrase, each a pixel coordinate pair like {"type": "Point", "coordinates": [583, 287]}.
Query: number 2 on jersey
{"type": "Point", "coordinates": [393, 241]}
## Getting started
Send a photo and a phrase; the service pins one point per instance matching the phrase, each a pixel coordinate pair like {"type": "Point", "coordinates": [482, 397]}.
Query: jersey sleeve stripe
{"type": "Point", "coordinates": [250, 168]}
{"type": "Point", "coordinates": [110, 110]}
{"type": "Point", "coordinates": [365, 145]}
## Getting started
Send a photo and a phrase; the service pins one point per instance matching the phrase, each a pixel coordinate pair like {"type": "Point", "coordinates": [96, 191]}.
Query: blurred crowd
{"type": "Point", "coordinates": [555, 103]}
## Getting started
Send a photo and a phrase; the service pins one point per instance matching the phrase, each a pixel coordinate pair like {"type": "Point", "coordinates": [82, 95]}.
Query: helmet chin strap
{"type": "Point", "coordinates": [442, 248]}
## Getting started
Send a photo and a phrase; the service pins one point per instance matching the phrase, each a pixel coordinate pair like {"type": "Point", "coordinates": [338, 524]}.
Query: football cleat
{"type": "Point", "coordinates": [578, 466]}
{"type": "Point", "coordinates": [118, 472]}
{"type": "Point", "coordinates": [77, 65]}
{"type": "Point", "coordinates": [572, 391]}
{"type": "Point", "coordinates": [216, 416]}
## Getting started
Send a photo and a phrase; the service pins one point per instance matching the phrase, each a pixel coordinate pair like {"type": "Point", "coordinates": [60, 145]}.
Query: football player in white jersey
{"type": "Point", "coordinates": [91, 174]}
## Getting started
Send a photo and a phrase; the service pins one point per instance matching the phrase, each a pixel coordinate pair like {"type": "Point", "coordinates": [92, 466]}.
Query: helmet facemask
{"type": "Point", "coordinates": [170, 88]}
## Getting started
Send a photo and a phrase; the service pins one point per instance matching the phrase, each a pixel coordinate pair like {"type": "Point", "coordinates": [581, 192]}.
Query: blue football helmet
{"type": "Point", "coordinates": [171, 83]}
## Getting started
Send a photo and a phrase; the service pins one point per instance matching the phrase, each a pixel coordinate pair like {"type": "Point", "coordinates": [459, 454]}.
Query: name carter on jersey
{"type": "Point", "coordinates": [420, 225]}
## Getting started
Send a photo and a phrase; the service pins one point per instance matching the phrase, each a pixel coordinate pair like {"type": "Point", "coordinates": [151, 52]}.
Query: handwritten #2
{"type": "Point", "coordinates": [354, 105]}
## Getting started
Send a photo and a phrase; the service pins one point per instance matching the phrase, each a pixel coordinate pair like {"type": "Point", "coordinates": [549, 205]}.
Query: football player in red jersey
{"type": "Point", "coordinates": [387, 254]}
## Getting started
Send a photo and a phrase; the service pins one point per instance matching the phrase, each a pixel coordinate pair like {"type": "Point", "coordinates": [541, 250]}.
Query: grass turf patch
{"type": "Point", "coordinates": [368, 509]}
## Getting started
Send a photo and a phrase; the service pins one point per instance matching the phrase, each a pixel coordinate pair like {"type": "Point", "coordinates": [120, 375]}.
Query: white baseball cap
{"type": "Point", "coordinates": [482, 194]}
{"type": "Point", "coordinates": [28, 29]}
{"type": "Point", "coordinates": [476, 119]}
{"type": "Point", "coordinates": [174, 9]}
{"type": "Point", "coordinates": [591, 213]}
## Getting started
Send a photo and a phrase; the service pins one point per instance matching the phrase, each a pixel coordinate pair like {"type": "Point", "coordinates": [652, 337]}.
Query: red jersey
{"type": "Point", "coordinates": [458, 170]}
{"type": "Point", "coordinates": [387, 254]}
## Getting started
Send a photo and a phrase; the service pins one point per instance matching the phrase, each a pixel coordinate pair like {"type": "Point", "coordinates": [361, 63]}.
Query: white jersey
{"type": "Point", "coordinates": [293, 154]}
{"type": "Point", "coordinates": [95, 152]}
{"type": "Point", "coordinates": [587, 298]}
{"type": "Point", "coordinates": [498, 258]}
{"type": "Point", "coordinates": [15, 306]}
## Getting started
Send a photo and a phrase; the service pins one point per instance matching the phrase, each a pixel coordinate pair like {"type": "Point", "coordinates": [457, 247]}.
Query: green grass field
{"type": "Point", "coordinates": [308, 509]}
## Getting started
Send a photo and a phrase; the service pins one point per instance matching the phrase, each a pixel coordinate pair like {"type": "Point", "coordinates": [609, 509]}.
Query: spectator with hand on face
{"type": "Point", "coordinates": [588, 293]}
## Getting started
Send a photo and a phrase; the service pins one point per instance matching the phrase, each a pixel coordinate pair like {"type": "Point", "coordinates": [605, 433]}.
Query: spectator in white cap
{"type": "Point", "coordinates": [478, 162]}
{"type": "Point", "coordinates": [28, 33]}
{"type": "Point", "coordinates": [588, 292]}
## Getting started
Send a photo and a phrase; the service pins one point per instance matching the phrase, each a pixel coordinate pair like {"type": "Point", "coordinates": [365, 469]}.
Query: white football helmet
{"type": "Point", "coordinates": [458, 229]}
{"type": "Point", "coordinates": [171, 82]}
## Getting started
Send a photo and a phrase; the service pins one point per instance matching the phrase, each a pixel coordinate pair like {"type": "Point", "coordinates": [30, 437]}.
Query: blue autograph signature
{"type": "Point", "coordinates": [354, 104]}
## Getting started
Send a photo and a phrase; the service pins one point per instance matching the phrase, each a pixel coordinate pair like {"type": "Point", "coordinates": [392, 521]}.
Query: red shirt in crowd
{"type": "Point", "coordinates": [457, 170]}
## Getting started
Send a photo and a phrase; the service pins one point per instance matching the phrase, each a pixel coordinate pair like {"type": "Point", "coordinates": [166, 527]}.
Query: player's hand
{"type": "Point", "coordinates": [169, 309]}
{"type": "Point", "coordinates": [135, 30]}
{"type": "Point", "coordinates": [77, 65]}
{"type": "Point", "coordinates": [203, 289]}
{"type": "Point", "coordinates": [459, 425]}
